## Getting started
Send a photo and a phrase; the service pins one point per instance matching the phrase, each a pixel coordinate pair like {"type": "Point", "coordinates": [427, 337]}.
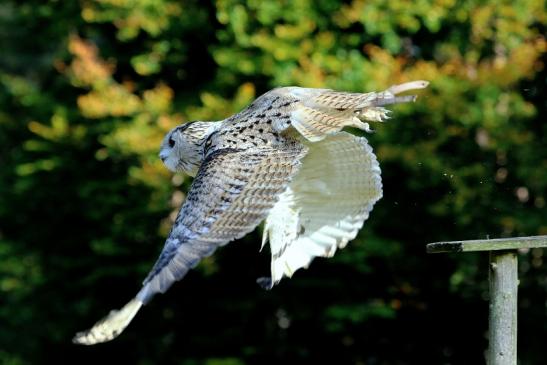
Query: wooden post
{"type": "Point", "coordinates": [503, 308]}
{"type": "Point", "coordinates": [502, 332]}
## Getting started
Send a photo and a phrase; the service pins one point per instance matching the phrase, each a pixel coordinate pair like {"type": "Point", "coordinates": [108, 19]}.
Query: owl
{"type": "Point", "coordinates": [284, 160]}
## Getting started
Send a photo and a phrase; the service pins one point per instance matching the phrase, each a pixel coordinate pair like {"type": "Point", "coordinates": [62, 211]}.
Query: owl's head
{"type": "Point", "coordinates": [182, 147]}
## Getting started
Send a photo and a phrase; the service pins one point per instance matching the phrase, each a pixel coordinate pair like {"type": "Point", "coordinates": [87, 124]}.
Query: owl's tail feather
{"type": "Point", "coordinates": [110, 326]}
{"type": "Point", "coordinates": [389, 96]}
{"type": "Point", "coordinates": [412, 85]}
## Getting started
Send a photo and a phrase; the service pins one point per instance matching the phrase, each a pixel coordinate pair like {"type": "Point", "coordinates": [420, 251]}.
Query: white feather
{"type": "Point", "coordinates": [315, 217]}
{"type": "Point", "coordinates": [110, 326]}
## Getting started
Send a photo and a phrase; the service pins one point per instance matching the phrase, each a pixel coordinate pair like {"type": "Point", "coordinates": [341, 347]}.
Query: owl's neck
{"type": "Point", "coordinates": [196, 135]}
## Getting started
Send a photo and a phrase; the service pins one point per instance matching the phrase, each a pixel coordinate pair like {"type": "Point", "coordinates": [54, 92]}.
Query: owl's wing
{"type": "Point", "coordinates": [231, 194]}
{"type": "Point", "coordinates": [324, 206]}
{"type": "Point", "coordinates": [317, 113]}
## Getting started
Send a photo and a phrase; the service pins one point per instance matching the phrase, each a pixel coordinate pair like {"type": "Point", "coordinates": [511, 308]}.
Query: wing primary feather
{"type": "Point", "coordinates": [232, 192]}
{"type": "Point", "coordinates": [110, 326]}
{"type": "Point", "coordinates": [329, 214]}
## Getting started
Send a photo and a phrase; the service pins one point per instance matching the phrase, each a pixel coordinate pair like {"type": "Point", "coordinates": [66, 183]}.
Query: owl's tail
{"type": "Point", "coordinates": [110, 326]}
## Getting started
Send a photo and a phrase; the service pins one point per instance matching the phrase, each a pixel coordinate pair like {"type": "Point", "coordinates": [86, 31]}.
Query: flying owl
{"type": "Point", "coordinates": [283, 159]}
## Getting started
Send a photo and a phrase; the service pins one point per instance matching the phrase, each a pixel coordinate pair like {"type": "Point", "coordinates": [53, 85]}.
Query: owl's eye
{"type": "Point", "coordinates": [171, 142]}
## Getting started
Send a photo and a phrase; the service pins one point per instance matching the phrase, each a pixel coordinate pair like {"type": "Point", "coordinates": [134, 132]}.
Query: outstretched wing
{"type": "Point", "coordinates": [324, 206]}
{"type": "Point", "coordinates": [317, 113]}
{"type": "Point", "coordinates": [231, 194]}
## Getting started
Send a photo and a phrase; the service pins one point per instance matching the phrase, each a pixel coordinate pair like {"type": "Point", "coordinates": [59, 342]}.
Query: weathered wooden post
{"type": "Point", "coordinates": [503, 276]}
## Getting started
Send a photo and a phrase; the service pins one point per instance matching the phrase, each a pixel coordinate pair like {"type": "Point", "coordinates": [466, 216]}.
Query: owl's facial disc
{"type": "Point", "coordinates": [168, 151]}
{"type": "Point", "coordinates": [180, 150]}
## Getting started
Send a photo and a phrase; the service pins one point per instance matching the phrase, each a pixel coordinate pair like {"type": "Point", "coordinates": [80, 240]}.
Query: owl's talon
{"type": "Point", "coordinates": [265, 282]}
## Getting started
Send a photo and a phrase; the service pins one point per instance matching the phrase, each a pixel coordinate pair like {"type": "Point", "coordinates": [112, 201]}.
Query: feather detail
{"type": "Point", "coordinates": [249, 168]}
{"type": "Point", "coordinates": [322, 112]}
{"type": "Point", "coordinates": [231, 194]}
{"type": "Point", "coordinates": [110, 326]}
{"type": "Point", "coordinates": [314, 219]}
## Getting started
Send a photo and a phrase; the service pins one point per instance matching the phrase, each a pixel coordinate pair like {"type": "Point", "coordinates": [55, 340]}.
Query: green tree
{"type": "Point", "coordinates": [88, 89]}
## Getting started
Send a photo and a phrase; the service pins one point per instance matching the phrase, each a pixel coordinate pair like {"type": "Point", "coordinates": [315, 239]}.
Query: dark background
{"type": "Point", "coordinates": [88, 88]}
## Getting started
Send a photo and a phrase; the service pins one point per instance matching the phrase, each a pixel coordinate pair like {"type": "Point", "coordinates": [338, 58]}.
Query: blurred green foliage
{"type": "Point", "coordinates": [88, 89]}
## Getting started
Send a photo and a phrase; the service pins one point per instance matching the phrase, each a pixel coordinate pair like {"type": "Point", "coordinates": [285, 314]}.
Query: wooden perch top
{"type": "Point", "coordinates": [488, 245]}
